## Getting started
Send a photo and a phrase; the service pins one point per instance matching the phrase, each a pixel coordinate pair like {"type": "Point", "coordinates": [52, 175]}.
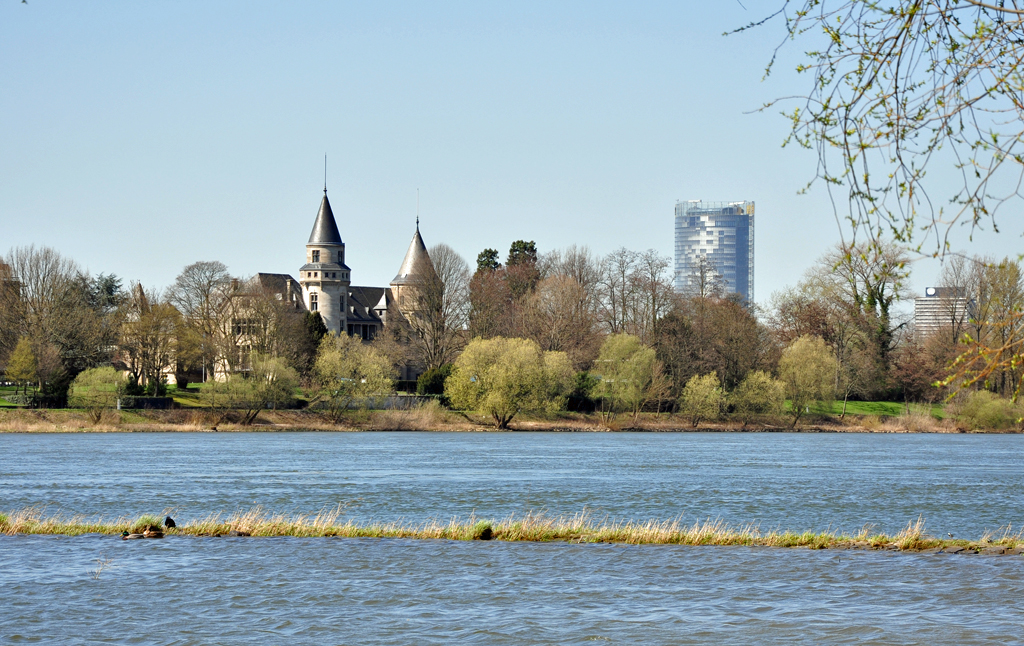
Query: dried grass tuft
{"type": "Point", "coordinates": [426, 416]}
{"type": "Point", "coordinates": [532, 527]}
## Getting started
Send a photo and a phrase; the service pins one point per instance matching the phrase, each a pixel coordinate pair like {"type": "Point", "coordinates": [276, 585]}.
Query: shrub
{"type": "Point", "coordinates": [431, 382]}
{"type": "Point", "coordinates": [986, 410]}
{"type": "Point", "coordinates": [758, 394]}
{"type": "Point", "coordinates": [630, 375]}
{"type": "Point", "coordinates": [501, 377]}
{"type": "Point", "coordinates": [270, 383]}
{"type": "Point", "coordinates": [809, 371]}
{"type": "Point", "coordinates": [96, 390]}
{"type": "Point", "coordinates": [702, 398]}
{"type": "Point", "coordinates": [348, 371]}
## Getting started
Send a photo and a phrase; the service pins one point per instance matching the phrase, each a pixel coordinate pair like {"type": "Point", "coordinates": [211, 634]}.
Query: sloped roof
{"type": "Point", "coordinates": [416, 268]}
{"type": "Point", "coordinates": [361, 303]}
{"type": "Point", "coordinates": [279, 284]}
{"type": "Point", "coordinates": [325, 229]}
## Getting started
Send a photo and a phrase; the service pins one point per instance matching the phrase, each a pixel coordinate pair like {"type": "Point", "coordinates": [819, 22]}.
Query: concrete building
{"type": "Point", "coordinates": [721, 232]}
{"type": "Point", "coordinates": [940, 308]}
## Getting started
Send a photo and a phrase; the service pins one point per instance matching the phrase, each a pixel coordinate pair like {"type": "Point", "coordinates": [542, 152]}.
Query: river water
{"type": "Point", "coordinates": [182, 590]}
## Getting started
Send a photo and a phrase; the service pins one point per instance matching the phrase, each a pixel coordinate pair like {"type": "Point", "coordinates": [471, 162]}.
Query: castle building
{"type": "Point", "coordinates": [325, 285]}
{"type": "Point", "coordinates": [325, 278]}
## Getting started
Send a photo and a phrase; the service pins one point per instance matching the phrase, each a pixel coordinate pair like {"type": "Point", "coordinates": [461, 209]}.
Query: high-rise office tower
{"type": "Point", "coordinates": [721, 232]}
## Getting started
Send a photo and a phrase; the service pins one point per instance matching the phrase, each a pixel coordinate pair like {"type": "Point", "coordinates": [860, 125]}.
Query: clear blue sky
{"type": "Point", "coordinates": [140, 137]}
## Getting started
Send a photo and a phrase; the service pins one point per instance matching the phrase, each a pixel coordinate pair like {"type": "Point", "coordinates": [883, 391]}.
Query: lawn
{"type": "Point", "coordinates": [9, 390]}
{"type": "Point", "coordinates": [889, 409]}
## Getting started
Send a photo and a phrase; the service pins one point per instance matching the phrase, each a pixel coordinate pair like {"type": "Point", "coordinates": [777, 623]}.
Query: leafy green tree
{"type": "Point", "coordinates": [105, 292]}
{"type": "Point", "coordinates": [630, 375]}
{"type": "Point", "coordinates": [270, 383]}
{"type": "Point", "coordinates": [522, 253]}
{"type": "Point", "coordinates": [431, 382]}
{"type": "Point", "coordinates": [349, 371]}
{"type": "Point", "coordinates": [306, 341]}
{"type": "Point", "coordinates": [22, 366]}
{"type": "Point", "coordinates": [502, 377]}
{"type": "Point", "coordinates": [487, 260]}
{"type": "Point", "coordinates": [97, 390]}
{"type": "Point", "coordinates": [316, 330]}
{"type": "Point", "coordinates": [758, 394]}
{"type": "Point", "coordinates": [702, 398]}
{"type": "Point", "coordinates": [809, 371]}
{"type": "Point", "coordinates": [584, 385]}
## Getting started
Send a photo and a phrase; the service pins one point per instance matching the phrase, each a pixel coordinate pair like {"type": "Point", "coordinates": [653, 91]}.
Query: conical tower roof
{"type": "Point", "coordinates": [416, 268]}
{"type": "Point", "coordinates": [325, 229]}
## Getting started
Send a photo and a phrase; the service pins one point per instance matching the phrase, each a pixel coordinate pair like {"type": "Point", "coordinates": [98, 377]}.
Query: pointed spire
{"type": "Point", "coordinates": [416, 268]}
{"type": "Point", "coordinates": [325, 229]}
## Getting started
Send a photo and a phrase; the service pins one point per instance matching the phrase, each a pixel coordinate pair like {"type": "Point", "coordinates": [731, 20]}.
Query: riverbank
{"type": "Point", "coordinates": [434, 418]}
{"type": "Point", "coordinates": [580, 528]}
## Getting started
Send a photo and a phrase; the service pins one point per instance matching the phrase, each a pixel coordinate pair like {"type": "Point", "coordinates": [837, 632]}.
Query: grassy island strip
{"type": "Point", "coordinates": [580, 528]}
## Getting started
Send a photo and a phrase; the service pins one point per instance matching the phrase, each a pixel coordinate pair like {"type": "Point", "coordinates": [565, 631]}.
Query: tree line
{"type": "Point", "coordinates": [605, 333]}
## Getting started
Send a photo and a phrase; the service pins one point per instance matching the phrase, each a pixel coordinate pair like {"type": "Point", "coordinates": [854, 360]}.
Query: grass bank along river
{"type": "Point", "coordinates": [580, 528]}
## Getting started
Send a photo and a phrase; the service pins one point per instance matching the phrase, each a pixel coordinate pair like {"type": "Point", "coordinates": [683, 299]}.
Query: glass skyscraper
{"type": "Point", "coordinates": [723, 232]}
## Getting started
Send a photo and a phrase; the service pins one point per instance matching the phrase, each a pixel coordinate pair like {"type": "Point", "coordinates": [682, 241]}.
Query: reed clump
{"type": "Point", "coordinates": [531, 527]}
{"type": "Point", "coordinates": [422, 417]}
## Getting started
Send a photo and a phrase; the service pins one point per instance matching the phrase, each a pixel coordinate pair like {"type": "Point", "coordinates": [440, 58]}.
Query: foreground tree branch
{"type": "Point", "coordinates": [916, 111]}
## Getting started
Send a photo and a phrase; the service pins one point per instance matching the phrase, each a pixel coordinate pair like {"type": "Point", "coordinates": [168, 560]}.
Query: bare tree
{"type": "Point", "coordinates": [48, 298]}
{"type": "Point", "coordinates": [653, 294]}
{"type": "Point", "coordinates": [867, 280]}
{"type": "Point", "coordinates": [706, 281]}
{"type": "Point", "coordinates": [958, 281]}
{"type": "Point", "coordinates": [199, 292]}
{"type": "Point", "coordinates": [149, 337]}
{"type": "Point", "coordinates": [441, 316]}
{"type": "Point", "coordinates": [563, 312]}
{"type": "Point", "coordinates": [617, 289]}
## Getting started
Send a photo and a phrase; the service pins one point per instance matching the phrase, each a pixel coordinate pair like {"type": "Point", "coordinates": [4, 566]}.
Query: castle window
{"type": "Point", "coordinates": [316, 255]}
{"type": "Point", "coordinates": [341, 257]}
{"type": "Point", "coordinates": [313, 304]}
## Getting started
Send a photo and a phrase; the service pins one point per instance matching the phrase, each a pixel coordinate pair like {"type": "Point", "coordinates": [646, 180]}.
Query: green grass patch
{"type": "Point", "coordinates": [878, 409]}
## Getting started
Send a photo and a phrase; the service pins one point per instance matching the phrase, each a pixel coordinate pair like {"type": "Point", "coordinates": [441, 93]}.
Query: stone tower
{"type": "Point", "coordinates": [325, 277]}
{"type": "Point", "coordinates": [416, 272]}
